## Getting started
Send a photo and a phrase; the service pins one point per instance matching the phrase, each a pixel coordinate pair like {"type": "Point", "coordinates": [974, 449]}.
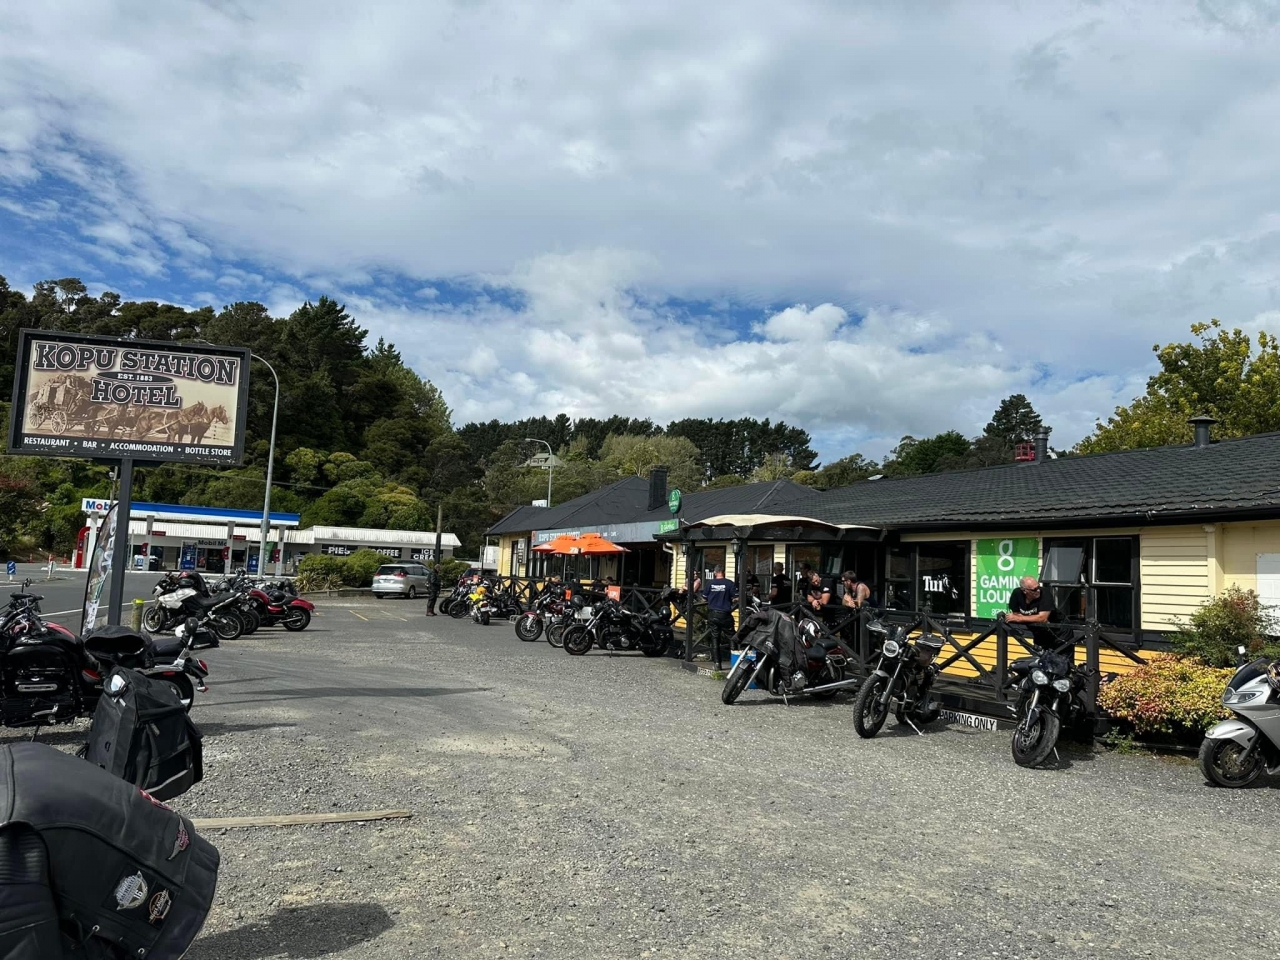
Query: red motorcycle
{"type": "Point", "coordinates": [277, 607]}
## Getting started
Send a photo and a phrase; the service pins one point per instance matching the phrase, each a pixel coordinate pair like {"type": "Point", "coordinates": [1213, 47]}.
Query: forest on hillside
{"type": "Point", "coordinates": [363, 440]}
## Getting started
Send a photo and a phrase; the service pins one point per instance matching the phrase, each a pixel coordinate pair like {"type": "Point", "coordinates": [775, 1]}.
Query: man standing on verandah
{"type": "Point", "coordinates": [721, 596]}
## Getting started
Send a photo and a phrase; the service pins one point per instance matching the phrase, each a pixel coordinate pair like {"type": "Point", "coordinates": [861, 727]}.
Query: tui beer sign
{"type": "Point", "coordinates": [102, 397]}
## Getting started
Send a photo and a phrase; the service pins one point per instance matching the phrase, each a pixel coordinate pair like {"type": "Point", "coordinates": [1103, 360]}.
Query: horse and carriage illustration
{"type": "Point", "coordinates": [64, 403]}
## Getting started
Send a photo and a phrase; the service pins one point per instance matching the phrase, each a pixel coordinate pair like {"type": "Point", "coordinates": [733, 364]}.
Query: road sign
{"type": "Point", "coordinates": [12, 568]}
{"type": "Point", "coordinates": [673, 501]}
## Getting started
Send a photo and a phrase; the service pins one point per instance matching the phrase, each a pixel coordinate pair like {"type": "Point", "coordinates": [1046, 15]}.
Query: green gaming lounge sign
{"type": "Point", "coordinates": [1001, 563]}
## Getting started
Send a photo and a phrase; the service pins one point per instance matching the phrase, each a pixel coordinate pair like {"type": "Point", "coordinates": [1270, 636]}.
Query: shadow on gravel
{"type": "Point", "coordinates": [222, 729]}
{"type": "Point", "coordinates": [380, 693]}
{"type": "Point", "coordinates": [297, 933]}
{"type": "Point", "coordinates": [55, 738]}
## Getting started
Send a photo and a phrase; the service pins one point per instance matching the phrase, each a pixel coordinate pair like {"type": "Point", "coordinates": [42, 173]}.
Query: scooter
{"type": "Point", "coordinates": [1235, 752]}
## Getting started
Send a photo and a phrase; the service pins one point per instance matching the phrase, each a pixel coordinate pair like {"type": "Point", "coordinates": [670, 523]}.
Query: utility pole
{"type": "Point", "coordinates": [266, 500]}
{"type": "Point", "coordinates": [439, 524]}
{"type": "Point", "coordinates": [551, 457]}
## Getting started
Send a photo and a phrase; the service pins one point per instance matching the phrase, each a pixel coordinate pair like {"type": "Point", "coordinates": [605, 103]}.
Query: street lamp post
{"type": "Point", "coordinates": [550, 463]}
{"type": "Point", "coordinates": [266, 499]}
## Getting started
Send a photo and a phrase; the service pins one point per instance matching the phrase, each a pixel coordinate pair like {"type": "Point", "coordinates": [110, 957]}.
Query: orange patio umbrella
{"type": "Point", "coordinates": [594, 545]}
{"type": "Point", "coordinates": [561, 544]}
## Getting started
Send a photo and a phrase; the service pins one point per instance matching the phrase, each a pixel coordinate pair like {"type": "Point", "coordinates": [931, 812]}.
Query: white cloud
{"type": "Point", "coordinates": [1001, 196]}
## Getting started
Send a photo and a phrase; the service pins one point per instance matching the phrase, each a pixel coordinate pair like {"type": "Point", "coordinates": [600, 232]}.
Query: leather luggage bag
{"type": "Point", "coordinates": [142, 734]}
{"type": "Point", "coordinates": [92, 868]}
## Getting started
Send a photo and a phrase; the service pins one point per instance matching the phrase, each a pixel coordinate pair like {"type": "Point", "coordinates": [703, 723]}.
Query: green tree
{"type": "Point", "coordinates": [911, 457]}
{"type": "Point", "coordinates": [1220, 373]}
{"type": "Point", "coordinates": [839, 473]}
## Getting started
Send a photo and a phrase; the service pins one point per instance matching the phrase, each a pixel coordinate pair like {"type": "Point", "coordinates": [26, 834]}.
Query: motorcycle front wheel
{"type": "Point", "coordinates": [555, 634]}
{"type": "Point", "coordinates": [869, 712]}
{"type": "Point", "coordinates": [737, 680]}
{"type": "Point", "coordinates": [577, 640]}
{"type": "Point", "coordinates": [251, 621]}
{"type": "Point", "coordinates": [528, 627]}
{"type": "Point", "coordinates": [153, 618]}
{"type": "Point", "coordinates": [458, 609]}
{"type": "Point", "coordinates": [1221, 766]}
{"type": "Point", "coordinates": [1033, 743]}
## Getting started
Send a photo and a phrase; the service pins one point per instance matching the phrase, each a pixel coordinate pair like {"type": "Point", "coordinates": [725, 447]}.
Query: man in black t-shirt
{"type": "Point", "coordinates": [780, 589]}
{"type": "Point", "coordinates": [1029, 603]}
{"type": "Point", "coordinates": [822, 590]}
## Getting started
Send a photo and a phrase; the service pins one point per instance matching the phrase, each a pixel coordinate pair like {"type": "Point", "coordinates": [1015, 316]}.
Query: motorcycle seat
{"type": "Point", "coordinates": [206, 603]}
{"type": "Point", "coordinates": [166, 649]}
{"type": "Point", "coordinates": [277, 596]}
{"type": "Point", "coordinates": [815, 653]}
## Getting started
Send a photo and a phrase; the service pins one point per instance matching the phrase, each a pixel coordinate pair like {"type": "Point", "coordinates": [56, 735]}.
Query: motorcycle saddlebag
{"type": "Point", "coordinates": [142, 734]}
{"type": "Point", "coordinates": [124, 875]}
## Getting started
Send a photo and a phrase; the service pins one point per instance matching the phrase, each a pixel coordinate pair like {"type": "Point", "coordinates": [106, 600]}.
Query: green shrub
{"type": "Point", "coordinates": [1232, 619]}
{"type": "Point", "coordinates": [1169, 694]}
{"type": "Point", "coordinates": [360, 567]}
{"type": "Point", "coordinates": [451, 572]}
{"type": "Point", "coordinates": [321, 565]}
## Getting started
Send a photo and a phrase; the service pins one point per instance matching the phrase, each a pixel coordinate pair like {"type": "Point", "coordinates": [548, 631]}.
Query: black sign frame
{"type": "Point", "coordinates": [91, 448]}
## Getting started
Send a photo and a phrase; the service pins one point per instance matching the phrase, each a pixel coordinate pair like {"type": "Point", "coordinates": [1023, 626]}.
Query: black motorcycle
{"type": "Point", "coordinates": [1051, 691]}
{"type": "Point", "coordinates": [546, 606]}
{"type": "Point", "coordinates": [786, 656]}
{"type": "Point", "coordinates": [49, 675]}
{"type": "Point", "coordinates": [901, 681]}
{"type": "Point", "coordinates": [614, 628]}
{"type": "Point", "coordinates": [182, 595]}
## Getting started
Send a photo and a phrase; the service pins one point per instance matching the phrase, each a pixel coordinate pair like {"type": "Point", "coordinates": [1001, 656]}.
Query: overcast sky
{"type": "Point", "coordinates": [868, 219]}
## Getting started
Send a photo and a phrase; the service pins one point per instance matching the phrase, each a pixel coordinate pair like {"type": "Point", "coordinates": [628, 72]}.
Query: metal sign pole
{"type": "Point", "coordinates": [120, 562]}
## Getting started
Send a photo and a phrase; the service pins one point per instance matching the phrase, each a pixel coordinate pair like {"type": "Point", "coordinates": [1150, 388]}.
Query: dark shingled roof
{"type": "Point", "coordinates": [746, 498]}
{"type": "Point", "coordinates": [627, 501]}
{"type": "Point", "coordinates": [1160, 483]}
{"type": "Point", "coordinates": [616, 503]}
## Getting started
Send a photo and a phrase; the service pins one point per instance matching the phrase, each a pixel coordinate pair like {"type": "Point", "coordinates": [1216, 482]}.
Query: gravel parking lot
{"type": "Point", "coordinates": [612, 807]}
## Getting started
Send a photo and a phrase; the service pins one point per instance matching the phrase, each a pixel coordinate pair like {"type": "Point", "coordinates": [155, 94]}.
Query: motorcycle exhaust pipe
{"type": "Point", "coordinates": [838, 685]}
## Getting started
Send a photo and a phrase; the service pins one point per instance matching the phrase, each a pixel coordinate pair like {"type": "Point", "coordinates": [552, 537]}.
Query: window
{"type": "Point", "coordinates": [801, 554]}
{"type": "Point", "coordinates": [942, 575]}
{"type": "Point", "coordinates": [706, 559]}
{"type": "Point", "coordinates": [899, 592]}
{"type": "Point", "coordinates": [1093, 577]}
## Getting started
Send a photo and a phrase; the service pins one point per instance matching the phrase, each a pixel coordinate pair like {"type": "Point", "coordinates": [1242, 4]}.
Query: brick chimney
{"type": "Point", "coordinates": [657, 488]}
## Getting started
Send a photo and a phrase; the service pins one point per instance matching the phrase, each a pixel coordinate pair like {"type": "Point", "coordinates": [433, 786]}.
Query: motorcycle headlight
{"type": "Point", "coordinates": [1240, 696]}
{"type": "Point", "coordinates": [891, 648]}
{"type": "Point", "coordinates": [1062, 686]}
{"type": "Point", "coordinates": [1039, 678]}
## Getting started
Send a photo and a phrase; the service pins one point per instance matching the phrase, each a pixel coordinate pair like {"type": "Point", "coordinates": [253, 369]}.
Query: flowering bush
{"type": "Point", "coordinates": [1232, 619]}
{"type": "Point", "coordinates": [1168, 694]}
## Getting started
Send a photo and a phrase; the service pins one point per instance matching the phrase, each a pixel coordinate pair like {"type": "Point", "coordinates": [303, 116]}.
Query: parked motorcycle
{"type": "Point", "coordinates": [613, 627]}
{"type": "Point", "coordinates": [276, 607]}
{"type": "Point", "coordinates": [786, 658]}
{"type": "Point", "coordinates": [49, 675]}
{"type": "Point", "coordinates": [1235, 752]}
{"type": "Point", "coordinates": [181, 595]}
{"type": "Point", "coordinates": [901, 681]}
{"type": "Point", "coordinates": [531, 624]}
{"type": "Point", "coordinates": [1051, 692]}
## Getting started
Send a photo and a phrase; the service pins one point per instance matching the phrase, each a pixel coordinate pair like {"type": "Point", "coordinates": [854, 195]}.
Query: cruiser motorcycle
{"type": "Point", "coordinates": [49, 675]}
{"type": "Point", "coordinates": [900, 682]}
{"type": "Point", "coordinates": [531, 624]}
{"type": "Point", "coordinates": [614, 628]}
{"type": "Point", "coordinates": [1235, 752]}
{"type": "Point", "coordinates": [786, 658]}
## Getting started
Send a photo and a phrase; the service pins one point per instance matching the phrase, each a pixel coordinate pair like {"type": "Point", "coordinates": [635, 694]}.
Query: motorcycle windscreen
{"type": "Point", "coordinates": [99, 570]}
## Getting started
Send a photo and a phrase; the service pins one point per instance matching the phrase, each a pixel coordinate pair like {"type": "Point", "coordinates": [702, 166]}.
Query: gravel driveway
{"type": "Point", "coordinates": [612, 807]}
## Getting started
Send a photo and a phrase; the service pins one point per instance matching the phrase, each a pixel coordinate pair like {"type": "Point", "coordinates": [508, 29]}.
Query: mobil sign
{"type": "Point", "coordinates": [92, 505]}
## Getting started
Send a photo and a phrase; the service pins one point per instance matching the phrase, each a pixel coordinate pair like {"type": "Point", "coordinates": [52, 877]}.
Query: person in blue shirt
{"type": "Point", "coordinates": [721, 595]}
